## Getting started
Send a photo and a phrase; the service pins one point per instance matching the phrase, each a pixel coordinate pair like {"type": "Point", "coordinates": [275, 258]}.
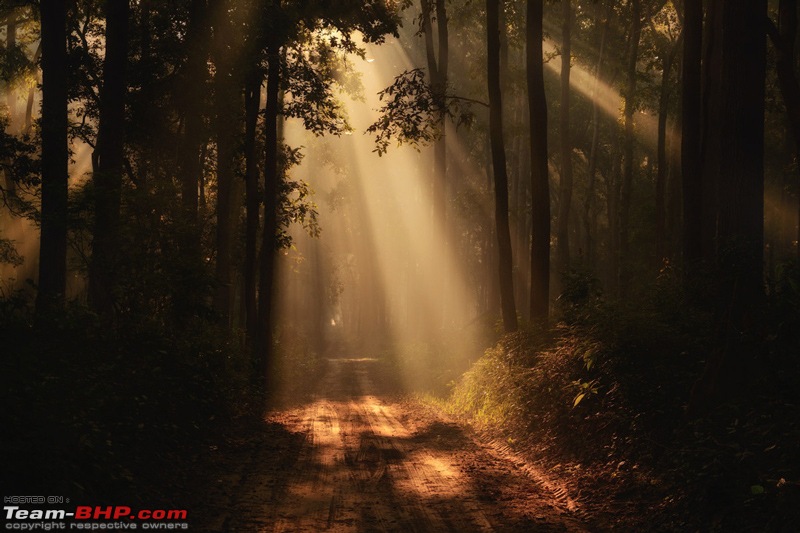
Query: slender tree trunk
{"type": "Point", "coordinates": [252, 204]}
{"type": "Point", "coordinates": [11, 44]}
{"type": "Point", "coordinates": [499, 167]}
{"type": "Point", "coordinates": [437, 69]}
{"type": "Point", "coordinates": [227, 100]}
{"type": "Point", "coordinates": [190, 156]}
{"type": "Point", "coordinates": [440, 149]}
{"type": "Point", "coordinates": [740, 167]}
{"type": "Point", "coordinates": [320, 303]}
{"type": "Point", "coordinates": [588, 220]}
{"type": "Point", "coordinates": [629, 146]}
{"type": "Point", "coordinates": [733, 160]}
{"type": "Point", "coordinates": [661, 173]}
{"type": "Point", "coordinates": [713, 73]}
{"type": "Point", "coordinates": [440, 152]}
{"type": "Point", "coordinates": [32, 94]}
{"type": "Point", "coordinates": [268, 244]}
{"type": "Point", "coordinates": [613, 193]}
{"type": "Point", "coordinates": [784, 39]}
{"type": "Point", "coordinates": [674, 200]}
{"type": "Point", "coordinates": [691, 115]}
{"type": "Point", "coordinates": [522, 235]}
{"type": "Point", "coordinates": [109, 157]}
{"type": "Point", "coordinates": [565, 184]}
{"type": "Point", "coordinates": [192, 139]}
{"type": "Point", "coordinates": [150, 117]}
{"type": "Point", "coordinates": [540, 181]}
{"type": "Point", "coordinates": [55, 176]}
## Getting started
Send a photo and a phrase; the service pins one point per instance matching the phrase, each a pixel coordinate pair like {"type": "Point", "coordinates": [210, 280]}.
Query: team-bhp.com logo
{"type": "Point", "coordinates": [94, 518]}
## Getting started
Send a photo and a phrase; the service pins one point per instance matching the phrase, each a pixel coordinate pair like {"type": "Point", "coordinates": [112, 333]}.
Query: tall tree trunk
{"type": "Point", "coordinates": [190, 167]}
{"type": "Point", "coordinates": [499, 167]}
{"type": "Point", "coordinates": [613, 186]}
{"type": "Point", "coordinates": [437, 69]}
{"type": "Point", "coordinates": [252, 98]}
{"type": "Point", "coordinates": [565, 183]}
{"type": "Point", "coordinates": [733, 160]}
{"type": "Point", "coordinates": [268, 243]}
{"type": "Point", "coordinates": [192, 104]}
{"type": "Point", "coordinates": [150, 117]}
{"type": "Point", "coordinates": [691, 119]}
{"type": "Point", "coordinates": [540, 181]}
{"type": "Point", "coordinates": [440, 87]}
{"type": "Point", "coordinates": [440, 152]}
{"type": "Point", "coordinates": [629, 146]}
{"type": "Point", "coordinates": [32, 95]}
{"type": "Point", "coordinates": [522, 236]}
{"type": "Point", "coordinates": [740, 167]}
{"type": "Point", "coordinates": [109, 158]}
{"type": "Point", "coordinates": [227, 101]}
{"type": "Point", "coordinates": [674, 200]}
{"type": "Point", "coordinates": [661, 173]}
{"type": "Point", "coordinates": [588, 219]}
{"type": "Point", "coordinates": [11, 44]}
{"type": "Point", "coordinates": [784, 38]}
{"type": "Point", "coordinates": [55, 175]}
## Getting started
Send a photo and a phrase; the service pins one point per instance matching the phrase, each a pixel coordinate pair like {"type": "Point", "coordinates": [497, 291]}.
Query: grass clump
{"type": "Point", "coordinates": [600, 400]}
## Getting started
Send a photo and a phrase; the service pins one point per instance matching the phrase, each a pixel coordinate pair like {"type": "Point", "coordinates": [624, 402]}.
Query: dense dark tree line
{"type": "Point", "coordinates": [168, 103]}
{"type": "Point", "coordinates": [671, 68]}
{"type": "Point", "coordinates": [655, 164]}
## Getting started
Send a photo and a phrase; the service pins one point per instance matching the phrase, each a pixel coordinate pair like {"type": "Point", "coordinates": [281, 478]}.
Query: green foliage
{"type": "Point", "coordinates": [313, 69]}
{"type": "Point", "coordinates": [413, 111]}
{"type": "Point", "coordinates": [580, 293]}
{"type": "Point", "coordinates": [9, 254]}
{"type": "Point", "coordinates": [410, 113]}
{"type": "Point", "coordinates": [295, 204]}
{"type": "Point", "coordinates": [582, 380]}
{"type": "Point", "coordinates": [19, 162]}
{"type": "Point", "coordinates": [585, 389]}
{"type": "Point", "coordinates": [493, 392]}
{"type": "Point", "coordinates": [15, 64]}
{"type": "Point", "coordinates": [610, 389]}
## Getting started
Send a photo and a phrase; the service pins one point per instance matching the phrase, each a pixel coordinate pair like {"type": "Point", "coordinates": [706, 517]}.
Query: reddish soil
{"type": "Point", "coordinates": [353, 459]}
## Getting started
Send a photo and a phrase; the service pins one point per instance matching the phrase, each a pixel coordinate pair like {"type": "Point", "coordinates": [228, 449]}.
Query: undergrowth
{"type": "Point", "coordinates": [107, 411]}
{"type": "Point", "coordinates": [601, 398]}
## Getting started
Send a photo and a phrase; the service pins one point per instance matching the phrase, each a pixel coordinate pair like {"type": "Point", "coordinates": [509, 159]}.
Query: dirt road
{"type": "Point", "coordinates": [353, 461]}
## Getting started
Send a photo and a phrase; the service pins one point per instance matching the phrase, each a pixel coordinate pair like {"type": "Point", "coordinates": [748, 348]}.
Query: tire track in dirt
{"type": "Point", "coordinates": [366, 465]}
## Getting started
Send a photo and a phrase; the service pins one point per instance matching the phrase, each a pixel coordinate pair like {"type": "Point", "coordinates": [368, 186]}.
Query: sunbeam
{"type": "Point", "coordinates": [386, 230]}
{"type": "Point", "coordinates": [608, 99]}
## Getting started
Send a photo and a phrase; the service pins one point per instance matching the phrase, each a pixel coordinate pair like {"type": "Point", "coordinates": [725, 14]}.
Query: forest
{"type": "Point", "coordinates": [400, 265]}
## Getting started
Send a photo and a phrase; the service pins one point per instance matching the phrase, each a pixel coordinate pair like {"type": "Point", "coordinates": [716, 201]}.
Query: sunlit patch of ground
{"type": "Point", "coordinates": [353, 461]}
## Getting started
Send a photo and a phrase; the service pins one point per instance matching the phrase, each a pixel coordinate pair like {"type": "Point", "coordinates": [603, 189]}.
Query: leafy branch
{"type": "Point", "coordinates": [414, 111]}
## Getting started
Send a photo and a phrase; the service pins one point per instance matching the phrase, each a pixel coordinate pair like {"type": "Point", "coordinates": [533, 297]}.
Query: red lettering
{"type": "Point", "coordinates": [100, 513]}
{"type": "Point", "coordinates": [121, 511]}
{"type": "Point", "coordinates": [83, 512]}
